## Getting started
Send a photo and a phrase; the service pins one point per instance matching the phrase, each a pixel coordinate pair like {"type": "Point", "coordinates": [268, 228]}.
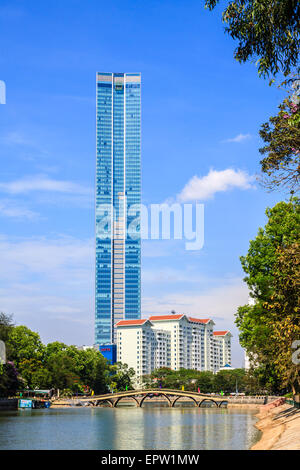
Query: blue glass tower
{"type": "Point", "coordinates": [118, 199]}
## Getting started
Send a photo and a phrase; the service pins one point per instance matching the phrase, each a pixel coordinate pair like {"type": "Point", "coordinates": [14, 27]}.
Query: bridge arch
{"type": "Point", "coordinates": [179, 397]}
{"type": "Point", "coordinates": [99, 402]}
{"type": "Point", "coordinates": [129, 396]}
{"type": "Point", "coordinates": [207, 399]}
{"type": "Point", "coordinates": [160, 394]}
{"type": "Point", "coordinates": [225, 402]}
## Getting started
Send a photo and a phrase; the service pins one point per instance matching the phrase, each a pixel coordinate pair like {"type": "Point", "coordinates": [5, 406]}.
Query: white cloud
{"type": "Point", "coordinates": [17, 138]}
{"type": "Point", "coordinates": [161, 248]}
{"type": "Point", "coordinates": [205, 187]}
{"type": "Point", "coordinates": [62, 258]}
{"type": "Point", "coordinates": [43, 183]}
{"type": "Point", "coordinates": [237, 139]}
{"type": "Point", "coordinates": [171, 276]}
{"type": "Point", "coordinates": [13, 210]}
{"type": "Point", "coordinates": [48, 285]}
{"type": "Point", "coordinates": [217, 302]}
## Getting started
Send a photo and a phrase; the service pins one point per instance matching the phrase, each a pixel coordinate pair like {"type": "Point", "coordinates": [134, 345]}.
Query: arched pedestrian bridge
{"type": "Point", "coordinates": [139, 397]}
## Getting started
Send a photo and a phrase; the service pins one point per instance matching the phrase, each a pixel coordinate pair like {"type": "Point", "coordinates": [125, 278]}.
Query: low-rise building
{"type": "Point", "coordinates": [174, 341]}
{"type": "Point", "coordinates": [222, 348]}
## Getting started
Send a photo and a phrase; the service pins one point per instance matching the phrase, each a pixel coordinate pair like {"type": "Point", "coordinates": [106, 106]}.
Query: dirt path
{"type": "Point", "coordinates": [280, 427]}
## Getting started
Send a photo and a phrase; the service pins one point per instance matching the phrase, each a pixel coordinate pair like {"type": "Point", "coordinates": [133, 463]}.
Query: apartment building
{"type": "Point", "coordinates": [174, 341]}
{"type": "Point", "coordinates": [222, 349]}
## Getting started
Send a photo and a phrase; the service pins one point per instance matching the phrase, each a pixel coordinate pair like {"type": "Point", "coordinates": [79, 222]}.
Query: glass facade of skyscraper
{"type": "Point", "coordinates": [118, 199]}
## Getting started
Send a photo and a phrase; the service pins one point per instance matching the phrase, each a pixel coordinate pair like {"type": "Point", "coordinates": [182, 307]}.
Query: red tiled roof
{"type": "Point", "coordinates": [199, 320]}
{"type": "Point", "coordinates": [131, 322]}
{"type": "Point", "coordinates": [220, 333]}
{"type": "Point", "coordinates": [165, 317]}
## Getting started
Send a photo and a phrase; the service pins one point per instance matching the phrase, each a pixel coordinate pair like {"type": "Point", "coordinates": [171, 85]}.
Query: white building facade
{"type": "Point", "coordinates": [173, 341]}
{"type": "Point", "coordinates": [222, 349]}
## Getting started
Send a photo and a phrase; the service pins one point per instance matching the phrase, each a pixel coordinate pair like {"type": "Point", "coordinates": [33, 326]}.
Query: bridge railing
{"type": "Point", "coordinates": [156, 391]}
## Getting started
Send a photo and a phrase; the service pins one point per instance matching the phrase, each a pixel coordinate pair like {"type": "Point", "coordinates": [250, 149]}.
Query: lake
{"type": "Point", "coordinates": [127, 428]}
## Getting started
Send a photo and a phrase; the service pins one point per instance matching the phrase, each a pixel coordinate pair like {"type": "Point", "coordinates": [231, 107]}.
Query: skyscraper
{"type": "Point", "coordinates": [118, 199]}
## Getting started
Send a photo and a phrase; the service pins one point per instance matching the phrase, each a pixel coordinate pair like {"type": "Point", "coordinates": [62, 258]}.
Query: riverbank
{"type": "Point", "coordinates": [280, 427]}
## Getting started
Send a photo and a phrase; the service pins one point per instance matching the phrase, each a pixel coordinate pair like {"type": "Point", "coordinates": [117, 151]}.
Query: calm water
{"type": "Point", "coordinates": [132, 429]}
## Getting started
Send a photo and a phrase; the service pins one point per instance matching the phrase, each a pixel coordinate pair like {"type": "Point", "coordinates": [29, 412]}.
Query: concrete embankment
{"type": "Point", "coordinates": [280, 427]}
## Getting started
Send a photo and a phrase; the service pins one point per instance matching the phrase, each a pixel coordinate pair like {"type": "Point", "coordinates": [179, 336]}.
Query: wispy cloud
{"type": "Point", "coordinates": [16, 138]}
{"type": "Point", "coordinates": [47, 257]}
{"type": "Point", "coordinates": [13, 210]}
{"type": "Point", "coordinates": [54, 280]}
{"type": "Point", "coordinates": [237, 139]}
{"type": "Point", "coordinates": [220, 301]}
{"type": "Point", "coordinates": [26, 147]}
{"type": "Point", "coordinates": [173, 276]}
{"type": "Point", "coordinates": [205, 187]}
{"type": "Point", "coordinates": [43, 183]}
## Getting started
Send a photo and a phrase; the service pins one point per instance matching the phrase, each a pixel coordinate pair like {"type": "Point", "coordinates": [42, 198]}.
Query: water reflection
{"type": "Point", "coordinates": [123, 428]}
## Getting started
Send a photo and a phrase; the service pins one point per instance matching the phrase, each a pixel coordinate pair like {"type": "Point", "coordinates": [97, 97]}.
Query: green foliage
{"type": "Point", "coordinates": [121, 377]}
{"type": "Point", "coordinates": [269, 31]}
{"type": "Point", "coordinates": [266, 30]}
{"type": "Point", "coordinates": [6, 325]}
{"type": "Point", "coordinates": [205, 382]}
{"type": "Point", "coordinates": [281, 134]}
{"type": "Point", "coordinates": [282, 229]}
{"type": "Point", "coordinates": [10, 379]}
{"type": "Point", "coordinates": [283, 313]}
{"type": "Point", "coordinates": [24, 344]}
{"type": "Point", "coordinates": [268, 328]}
{"type": "Point", "coordinates": [226, 381]}
{"type": "Point", "coordinates": [56, 365]}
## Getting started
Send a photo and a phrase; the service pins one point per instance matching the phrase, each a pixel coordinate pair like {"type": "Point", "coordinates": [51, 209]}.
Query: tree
{"type": "Point", "coordinates": [121, 377]}
{"type": "Point", "coordinates": [270, 32]}
{"type": "Point", "coordinates": [95, 371]}
{"type": "Point", "coordinates": [10, 380]}
{"type": "Point", "coordinates": [53, 366]}
{"type": "Point", "coordinates": [281, 134]}
{"type": "Point", "coordinates": [6, 324]}
{"type": "Point", "coordinates": [283, 313]}
{"type": "Point", "coordinates": [281, 229]}
{"type": "Point", "coordinates": [24, 344]}
{"type": "Point", "coordinates": [266, 30]}
{"type": "Point", "coordinates": [268, 327]}
{"type": "Point", "coordinates": [205, 381]}
{"type": "Point", "coordinates": [74, 369]}
{"type": "Point", "coordinates": [229, 380]}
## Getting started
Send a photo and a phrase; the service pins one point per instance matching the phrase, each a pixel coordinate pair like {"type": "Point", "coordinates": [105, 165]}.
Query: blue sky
{"type": "Point", "coordinates": [201, 112]}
